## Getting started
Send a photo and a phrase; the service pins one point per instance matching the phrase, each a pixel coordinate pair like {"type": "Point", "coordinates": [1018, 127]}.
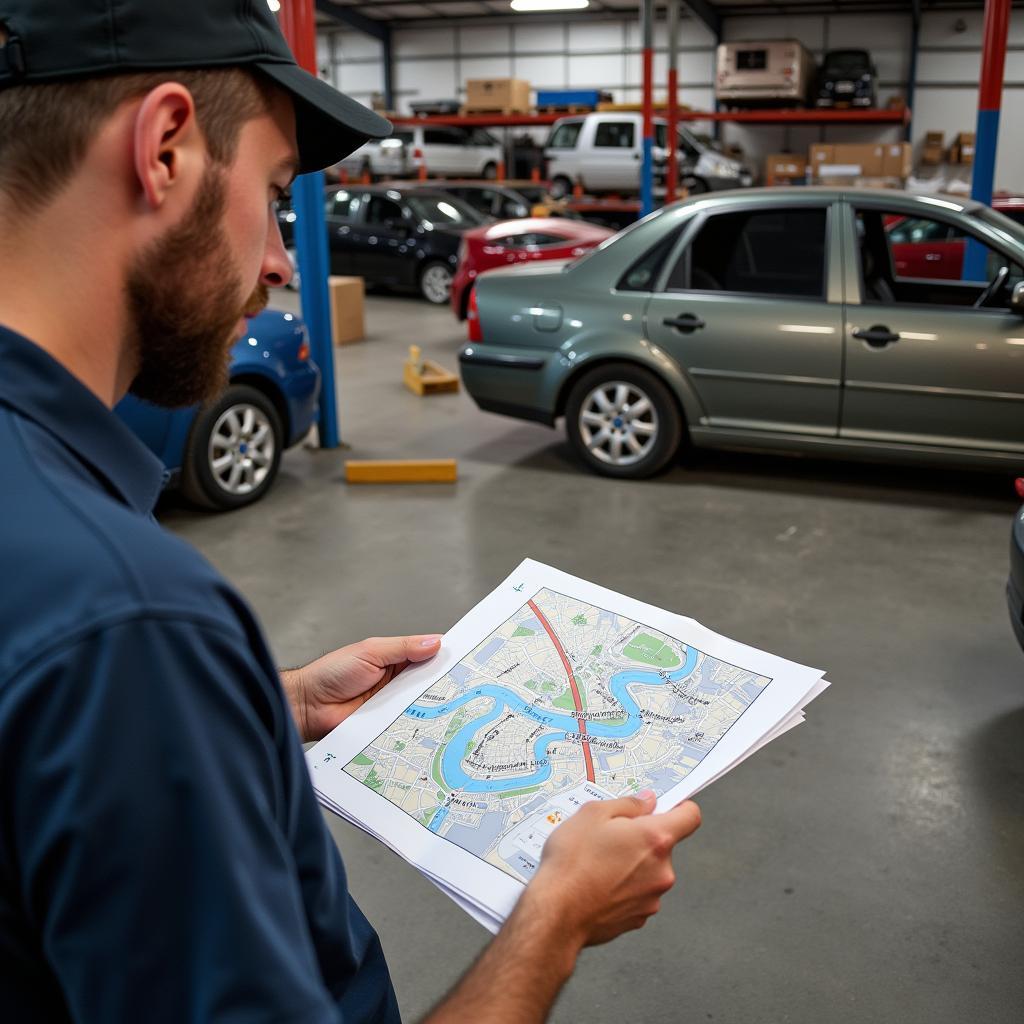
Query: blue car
{"type": "Point", "coordinates": [226, 454]}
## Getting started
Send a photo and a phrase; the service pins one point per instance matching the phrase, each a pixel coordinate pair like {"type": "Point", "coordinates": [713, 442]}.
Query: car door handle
{"type": "Point", "coordinates": [686, 322]}
{"type": "Point", "coordinates": [878, 336]}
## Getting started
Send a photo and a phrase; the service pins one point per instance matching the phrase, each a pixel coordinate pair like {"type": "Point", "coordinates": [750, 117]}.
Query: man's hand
{"type": "Point", "coordinates": [608, 866]}
{"type": "Point", "coordinates": [326, 691]}
{"type": "Point", "coordinates": [603, 873]}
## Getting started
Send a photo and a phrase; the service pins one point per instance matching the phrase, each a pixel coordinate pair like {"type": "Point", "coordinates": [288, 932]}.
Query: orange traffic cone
{"type": "Point", "coordinates": [535, 174]}
{"type": "Point", "coordinates": [500, 173]}
{"type": "Point", "coordinates": [364, 178]}
{"type": "Point", "coordinates": [343, 176]}
{"type": "Point", "coordinates": [577, 189]}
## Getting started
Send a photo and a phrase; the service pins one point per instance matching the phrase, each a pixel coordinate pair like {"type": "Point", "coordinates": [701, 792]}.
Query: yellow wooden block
{"type": "Point", "coordinates": [401, 471]}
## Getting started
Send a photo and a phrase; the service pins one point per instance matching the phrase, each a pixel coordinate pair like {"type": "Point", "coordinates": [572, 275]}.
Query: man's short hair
{"type": "Point", "coordinates": [46, 129]}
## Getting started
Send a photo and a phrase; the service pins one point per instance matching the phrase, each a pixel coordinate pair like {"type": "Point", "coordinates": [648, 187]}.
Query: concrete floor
{"type": "Point", "coordinates": [868, 866]}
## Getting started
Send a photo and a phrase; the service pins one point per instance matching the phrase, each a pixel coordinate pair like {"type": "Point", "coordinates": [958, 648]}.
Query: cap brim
{"type": "Point", "coordinates": [328, 124]}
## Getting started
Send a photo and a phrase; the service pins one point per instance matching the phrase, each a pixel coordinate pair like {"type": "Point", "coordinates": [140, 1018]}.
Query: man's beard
{"type": "Point", "coordinates": [182, 305]}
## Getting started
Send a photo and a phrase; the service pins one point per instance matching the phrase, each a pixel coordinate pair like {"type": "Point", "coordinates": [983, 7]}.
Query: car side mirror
{"type": "Point", "coordinates": [1017, 298]}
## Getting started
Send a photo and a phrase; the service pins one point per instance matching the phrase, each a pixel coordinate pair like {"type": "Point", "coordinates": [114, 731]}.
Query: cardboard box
{"type": "Point", "coordinates": [347, 301]}
{"type": "Point", "coordinates": [784, 167]}
{"type": "Point", "coordinates": [962, 150]}
{"type": "Point", "coordinates": [933, 148]}
{"type": "Point", "coordinates": [897, 160]}
{"type": "Point", "coordinates": [847, 161]}
{"type": "Point", "coordinates": [509, 95]}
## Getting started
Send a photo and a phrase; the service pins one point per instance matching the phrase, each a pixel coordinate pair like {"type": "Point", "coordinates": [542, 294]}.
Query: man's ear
{"type": "Point", "coordinates": [168, 145]}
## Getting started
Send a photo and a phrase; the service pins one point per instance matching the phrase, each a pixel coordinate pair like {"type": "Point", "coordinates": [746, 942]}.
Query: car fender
{"type": "Point", "coordinates": [588, 354]}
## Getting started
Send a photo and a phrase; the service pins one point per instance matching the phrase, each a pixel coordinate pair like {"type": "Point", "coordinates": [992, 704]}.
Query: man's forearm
{"type": "Point", "coordinates": [291, 683]}
{"type": "Point", "coordinates": [518, 977]}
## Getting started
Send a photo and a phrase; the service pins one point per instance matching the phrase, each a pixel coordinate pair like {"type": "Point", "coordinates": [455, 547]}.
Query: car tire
{"type": "Point", "coordinates": [561, 187]}
{"type": "Point", "coordinates": [436, 282]}
{"type": "Point", "coordinates": [694, 186]}
{"type": "Point", "coordinates": [490, 170]}
{"type": "Point", "coordinates": [242, 427]}
{"type": "Point", "coordinates": [623, 421]}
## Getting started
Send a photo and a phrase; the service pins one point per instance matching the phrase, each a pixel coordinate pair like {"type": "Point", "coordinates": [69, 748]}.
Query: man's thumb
{"type": "Point", "coordinates": [632, 806]}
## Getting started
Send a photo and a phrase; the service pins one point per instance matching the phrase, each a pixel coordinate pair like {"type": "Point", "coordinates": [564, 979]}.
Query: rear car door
{"type": "Point", "coordinates": [384, 240]}
{"type": "Point", "coordinates": [924, 364]}
{"type": "Point", "coordinates": [341, 211]}
{"type": "Point", "coordinates": [760, 337]}
{"type": "Point", "coordinates": [445, 151]}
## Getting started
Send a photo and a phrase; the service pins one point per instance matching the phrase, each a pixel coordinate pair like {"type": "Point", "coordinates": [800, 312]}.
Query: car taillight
{"type": "Point", "coordinates": [1019, 484]}
{"type": "Point", "coordinates": [303, 354]}
{"type": "Point", "coordinates": [473, 331]}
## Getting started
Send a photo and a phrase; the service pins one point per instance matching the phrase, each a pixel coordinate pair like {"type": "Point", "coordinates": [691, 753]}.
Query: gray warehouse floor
{"type": "Point", "coordinates": [866, 867]}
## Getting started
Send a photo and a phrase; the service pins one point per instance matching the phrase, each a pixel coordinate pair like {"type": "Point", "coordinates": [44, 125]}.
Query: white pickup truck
{"type": "Point", "coordinates": [604, 153]}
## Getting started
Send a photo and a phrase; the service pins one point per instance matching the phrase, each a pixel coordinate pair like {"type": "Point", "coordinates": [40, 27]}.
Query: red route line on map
{"type": "Point", "coordinates": [572, 685]}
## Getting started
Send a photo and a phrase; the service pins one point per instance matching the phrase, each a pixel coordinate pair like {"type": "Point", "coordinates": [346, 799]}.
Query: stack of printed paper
{"type": "Point", "coordinates": [549, 693]}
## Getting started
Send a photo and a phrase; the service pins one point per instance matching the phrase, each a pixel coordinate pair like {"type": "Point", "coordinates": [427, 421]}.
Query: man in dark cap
{"type": "Point", "coordinates": [162, 856]}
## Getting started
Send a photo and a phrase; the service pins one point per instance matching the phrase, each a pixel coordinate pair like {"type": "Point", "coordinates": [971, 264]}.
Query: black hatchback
{"type": "Point", "coordinates": [847, 79]}
{"type": "Point", "coordinates": [406, 237]}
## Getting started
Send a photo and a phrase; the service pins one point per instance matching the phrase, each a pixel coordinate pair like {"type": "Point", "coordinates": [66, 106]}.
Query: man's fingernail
{"type": "Point", "coordinates": [647, 794]}
{"type": "Point", "coordinates": [430, 641]}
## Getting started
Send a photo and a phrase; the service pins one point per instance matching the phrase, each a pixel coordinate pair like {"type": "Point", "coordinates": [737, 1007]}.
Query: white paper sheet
{"type": "Point", "coordinates": [550, 692]}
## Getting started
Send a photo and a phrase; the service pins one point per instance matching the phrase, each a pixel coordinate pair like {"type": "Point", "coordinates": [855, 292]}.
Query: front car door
{"type": "Point", "coordinates": [930, 361]}
{"type": "Point", "coordinates": [750, 306]}
{"type": "Point", "coordinates": [385, 231]}
{"type": "Point", "coordinates": [341, 211]}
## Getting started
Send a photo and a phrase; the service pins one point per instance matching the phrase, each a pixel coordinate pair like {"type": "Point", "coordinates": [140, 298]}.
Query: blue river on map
{"type": "Point", "coordinates": [451, 761]}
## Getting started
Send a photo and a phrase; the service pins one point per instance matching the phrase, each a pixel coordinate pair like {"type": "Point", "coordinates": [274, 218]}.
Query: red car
{"type": "Point", "coordinates": [518, 241]}
{"type": "Point", "coordinates": [931, 249]}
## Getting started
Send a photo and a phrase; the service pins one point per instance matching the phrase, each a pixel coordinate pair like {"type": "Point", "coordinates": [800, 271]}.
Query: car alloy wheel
{"type": "Point", "coordinates": [561, 187]}
{"type": "Point", "coordinates": [490, 171]}
{"type": "Point", "coordinates": [623, 421]}
{"type": "Point", "coordinates": [234, 449]}
{"type": "Point", "coordinates": [436, 283]}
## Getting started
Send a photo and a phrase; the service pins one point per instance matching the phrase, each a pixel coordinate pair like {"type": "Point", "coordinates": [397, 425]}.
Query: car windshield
{"type": "Point", "coordinates": [846, 63]}
{"type": "Point", "coordinates": [443, 210]}
{"type": "Point", "coordinates": [995, 219]}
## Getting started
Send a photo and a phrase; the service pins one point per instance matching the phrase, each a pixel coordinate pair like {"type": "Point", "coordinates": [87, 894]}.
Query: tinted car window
{"type": "Point", "coordinates": [343, 204]}
{"type": "Point", "coordinates": [443, 137]}
{"type": "Point", "coordinates": [566, 135]}
{"type": "Point", "coordinates": [381, 210]}
{"type": "Point", "coordinates": [479, 137]}
{"type": "Point", "coordinates": [739, 252]}
{"type": "Point", "coordinates": [509, 206]}
{"type": "Point", "coordinates": [443, 210]}
{"type": "Point", "coordinates": [481, 199]}
{"type": "Point", "coordinates": [641, 276]}
{"type": "Point", "coordinates": [920, 229]}
{"type": "Point", "coordinates": [616, 134]}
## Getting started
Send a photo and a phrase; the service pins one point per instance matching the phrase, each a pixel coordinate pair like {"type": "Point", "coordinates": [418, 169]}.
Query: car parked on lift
{"type": "Point", "coordinates": [226, 454]}
{"type": "Point", "coordinates": [771, 318]}
{"type": "Point", "coordinates": [393, 235]}
{"type": "Point", "coordinates": [1015, 584]}
{"type": "Point", "coordinates": [515, 243]}
{"type": "Point", "coordinates": [930, 248]}
{"type": "Point", "coordinates": [466, 152]}
{"type": "Point", "coordinates": [848, 78]}
{"type": "Point", "coordinates": [603, 152]}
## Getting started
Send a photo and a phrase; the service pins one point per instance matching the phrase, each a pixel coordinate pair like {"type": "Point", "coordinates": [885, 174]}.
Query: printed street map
{"type": "Point", "coordinates": [562, 703]}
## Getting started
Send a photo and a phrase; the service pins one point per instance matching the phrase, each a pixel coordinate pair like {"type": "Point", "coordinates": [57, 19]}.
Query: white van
{"type": "Point", "coordinates": [445, 151]}
{"type": "Point", "coordinates": [604, 153]}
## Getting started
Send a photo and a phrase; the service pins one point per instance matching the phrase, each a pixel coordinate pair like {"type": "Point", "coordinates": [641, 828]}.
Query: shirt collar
{"type": "Point", "coordinates": [34, 384]}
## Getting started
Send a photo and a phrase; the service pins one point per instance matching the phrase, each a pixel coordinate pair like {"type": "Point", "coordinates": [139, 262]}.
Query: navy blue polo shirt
{"type": "Point", "coordinates": [162, 855]}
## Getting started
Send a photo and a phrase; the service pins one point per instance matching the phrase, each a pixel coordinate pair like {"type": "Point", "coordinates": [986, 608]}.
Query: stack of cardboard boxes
{"type": "Point", "coordinates": [497, 96]}
{"type": "Point", "coordinates": [870, 165]}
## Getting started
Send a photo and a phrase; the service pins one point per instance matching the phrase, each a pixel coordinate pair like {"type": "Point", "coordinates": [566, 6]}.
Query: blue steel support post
{"type": "Point", "coordinates": [915, 39]}
{"type": "Point", "coordinates": [311, 249]}
{"type": "Point", "coordinates": [647, 171]}
{"type": "Point", "coordinates": [990, 95]}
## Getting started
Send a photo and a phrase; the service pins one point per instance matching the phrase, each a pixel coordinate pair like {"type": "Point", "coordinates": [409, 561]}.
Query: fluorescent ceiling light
{"type": "Point", "coordinates": [549, 5]}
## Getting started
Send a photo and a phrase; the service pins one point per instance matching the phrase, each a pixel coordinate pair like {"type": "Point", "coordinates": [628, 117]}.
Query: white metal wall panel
{"type": "Point", "coordinates": [809, 30]}
{"type": "Point", "coordinates": [422, 43]}
{"type": "Point", "coordinates": [496, 39]}
{"type": "Point", "coordinates": [541, 72]}
{"type": "Point", "coordinates": [548, 38]}
{"type": "Point", "coordinates": [485, 67]}
{"type": "Point", "coordinates": [425, 80]}
{"type": "Point", "coordinates": [602, 35]}
{"type": "Point", "coordinates": [595, 72]}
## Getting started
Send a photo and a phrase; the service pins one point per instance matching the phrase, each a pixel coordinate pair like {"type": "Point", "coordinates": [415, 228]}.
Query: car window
{"type": "Point", "coordinates": [565, 136]}
{"type": "Point", "coordinates": [481, 199]}
{"type": "Point", "coordinates": [343, 204]}
{"type": "Point", "coordinates": [381, 210]}
{"type": "Point", "coordinates": [480, 137]}
{"type": "Point", "coordinates": [530, 239]}
{"type": "Point", "coordinates": [509, 206]}
{"type": "Point", "coordinates": [443, 210]}
{"type": "Point", "coordinates": [443, 137]}
{"type": "Point", "coordinates": [740, 252]}
{"type": "Point", "coordinates": [644, 272]}
{"type": "Point", "coordinates": [614, 134]}
{"type": "Point", "coordinates": [920, 229]}
{"type": "Point", "coordinates": [902, 261]}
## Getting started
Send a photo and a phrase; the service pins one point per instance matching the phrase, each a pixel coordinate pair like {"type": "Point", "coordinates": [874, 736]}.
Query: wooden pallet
{"type": "Point", "coordinates": [500, 111]}
{"type": "Point", "coordinates": [571, 108]}
{"type": "Point", "coordinates": [633, 108]}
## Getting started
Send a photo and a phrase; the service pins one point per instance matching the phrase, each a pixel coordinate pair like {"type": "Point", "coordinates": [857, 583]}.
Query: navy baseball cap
{"type": "Point", "coordinates": [59, 40]}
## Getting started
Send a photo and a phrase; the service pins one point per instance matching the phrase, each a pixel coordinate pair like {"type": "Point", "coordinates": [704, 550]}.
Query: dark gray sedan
{"type": "Point", "coordinates": [768, 318]}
